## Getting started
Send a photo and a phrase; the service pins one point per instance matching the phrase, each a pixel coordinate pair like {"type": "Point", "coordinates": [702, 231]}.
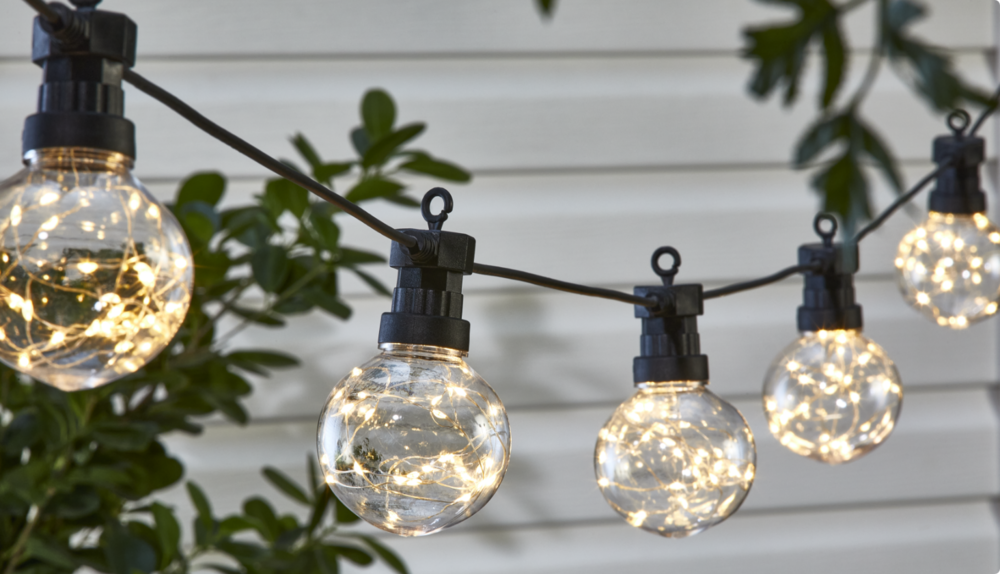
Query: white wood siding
{"type": "Point", "coordinates": [595, 138]}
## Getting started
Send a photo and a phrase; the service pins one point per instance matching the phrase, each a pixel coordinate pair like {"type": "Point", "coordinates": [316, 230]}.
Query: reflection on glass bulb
{"type": "Point", "coordinates": [675, 459]}
{"type": "Point", "coordinates": [949, 268]}
{"type": "Point", "coordinates": [832, 396]}
{"type": "Point", "coordinates": [414, 440]}
{"type": "Point", "coordinates": [95, 276]}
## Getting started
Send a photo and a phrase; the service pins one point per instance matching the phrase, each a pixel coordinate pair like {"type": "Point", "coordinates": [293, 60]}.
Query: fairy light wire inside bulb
{"type": "Point", "coordinates": [414, 441]}
{"type": "Point", "coordinates": [675, 459]}
{"type": "Point", "coordinates": [95, 279]}
{"type": "Point", "coordinates": [832, 396]}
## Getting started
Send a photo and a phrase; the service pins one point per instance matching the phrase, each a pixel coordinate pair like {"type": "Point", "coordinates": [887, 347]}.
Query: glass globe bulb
{"type": "Point", "coordinates": [675, 459]}
{"type": "Point", "coordinates": [949, 268]}
{"type": "Point", "coordinates": [95, 275]}
{"type": "Point", "coordinates": [832, 396]}
{"type": "Point", "coordinates": [414, 441]}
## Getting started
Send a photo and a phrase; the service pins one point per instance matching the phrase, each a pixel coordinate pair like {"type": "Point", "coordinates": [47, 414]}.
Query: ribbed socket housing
{"type": "Point", "coordinates": [959, 189]}
{"type": "Point", "coordinates": [80, 101]}
{"type": "Point", "coordinates": [427, 300]}
{"type": "Point", "coordinates": [828, 300]}
{"type": "Point", "coordinates": [670, 348]}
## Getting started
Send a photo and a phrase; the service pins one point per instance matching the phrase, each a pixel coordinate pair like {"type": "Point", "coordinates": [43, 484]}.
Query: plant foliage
{"type": "Point", "coordinates": [79, 472]}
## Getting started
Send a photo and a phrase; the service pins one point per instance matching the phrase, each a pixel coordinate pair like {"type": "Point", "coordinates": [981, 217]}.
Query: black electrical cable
{"type": "Point", "coordinates": [900, 201]}
{"type": "Point", "coordinates": [992, 107]}
{"type": "Point", "coordinates": [494, 271]}
{"type": "Point", "coordinates": [242, 146]}
{"type": "Point", "coordinates": [754, 283]}
{"type": "Point", "coordinates": [45, 11]}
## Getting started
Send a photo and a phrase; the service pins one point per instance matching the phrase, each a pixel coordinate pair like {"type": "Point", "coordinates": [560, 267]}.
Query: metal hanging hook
{"type": "Point", "coordinates": [828, 235]}
{"type": "Point", "coordinates": [667, 275]}
{"type": "Point", "coordinates": [434, 222]}
{"type": "Point", "coordinates": [959, 121]}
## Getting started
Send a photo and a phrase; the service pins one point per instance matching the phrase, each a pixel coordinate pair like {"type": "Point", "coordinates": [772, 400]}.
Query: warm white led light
{"type": "Point", "coordinates": [89, 274]}
{"type": "Point", "coordinates": [832, 396]}
{"type": "Point", "coordinates": [949, 268]}
{"type": "Point", "coordinates": [675, 459]}
{"type": "Point", "coordinates": [414, 441]}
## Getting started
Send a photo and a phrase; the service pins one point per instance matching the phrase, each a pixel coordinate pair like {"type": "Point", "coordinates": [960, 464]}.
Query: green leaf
{"type": "Point", "coordinates": [322, 502]}
{"type": "Point", "coordinates": [881, 155]}
{"type": "Point", "coordinates": [262, 516]}
{"type": "Point", "coordinates": [440, 169]}
{"type": "Point", "coordinates": [343, 514]}
{"type": "Point", "coordinates": [199, 219]}
{"type": "Point", "coordinates": [77, 503]}
{"type": "Point", "coordinates": [382, 148]}
{"type": "Point", "coordinates": [780, 51]}
{"type": "Point", "coordinates": [326, 231]}
{"type": "Point", "coordinates": [21, 433]}
{"type": "Point", "coordinates": [285, 485]}
{"type": "Point", "coordinates": [372, 282]}
{"type": "Point", "coordinates": [820, 136]}
{"type": "Point", "coordinates": [125, 436]}
{"type": "Point", "coordinates": [833, 49]}
{"type": "Point", "coordinates": [373, 188]}
{"type": "Point", "coordinates": [355, 555]}
{"type": "Point", "coordinates": [326, 172]}
{"type": "Point", "coordinates": [327, 564]}
{"type": "Point", "coordinates": [260, 317]}
{"type": "Point", "coordinates": [206, 186]}
{"type": "Point", "coordinates": [546, 7]}
{"type": "Point", "coordinates": [329, 303]}
{"type": "Point", "coordinates": [281, 194]}
{"type": "Point", "coordinates": [306, 150]}
{"type": "Point", "coordinates": [270, 267]}
{"type": "Point", "coordinates": [274, 359]}
{"type": "Point", "coordinates": [378, 112]}
{"type": "Point", "coordinates": [845, 191]}
{"type": "Point", "coordinates": [360, 140]}
{"type": "Point", "coordinates": [387, 556]}
{"type": "Point", "coordinates": [125, 552]}
{"type": "Point", "coordinates": [201, 504]}
{"type": "Point", "coordinates": [168, 531]}
{"type": "Point", "coordinates": [49, 552]}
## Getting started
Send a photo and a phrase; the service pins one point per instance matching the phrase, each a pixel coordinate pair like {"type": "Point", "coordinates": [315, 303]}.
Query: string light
{"type": "Point", "coordinates": [414, 441]}
{"type": "Point", "coordinates": [832, 396]}
{"type": "Point", "coordinates": [95, 279]}
{"type": "Point", "coordinates": [674, 459]}
{"type": "Point", "coordinates": [95, 275]}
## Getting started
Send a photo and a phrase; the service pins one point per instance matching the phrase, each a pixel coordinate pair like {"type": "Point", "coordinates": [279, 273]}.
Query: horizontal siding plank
{"type": "Point", "coordinates": [498, 114]}
{"type": "Point", "coordinates": [552, 348]}
{"type": "Point", "coordinates": [357, 27]}
{"type": "Point", "coordinates": [916, 540]}
{"type": "Point", "coordinates": [946, 445]}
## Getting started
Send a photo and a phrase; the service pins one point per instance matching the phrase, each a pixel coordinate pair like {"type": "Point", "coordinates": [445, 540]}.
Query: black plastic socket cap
{"type": "Point", "coordinates": [958, 189]}
{"type": "Point", "coordinates": [828, 301]}
{"type": "Point", "coordinates": [104, 34]}
{"type": "Point", "coordinates": [78, 129]}
{"type": "Point", "coordinates": [670, 348]}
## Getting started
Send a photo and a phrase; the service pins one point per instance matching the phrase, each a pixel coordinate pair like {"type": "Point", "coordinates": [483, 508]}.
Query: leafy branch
{"type": "Point", "coordinates": [79, 472]}
{"type": "Point", "coordinates": [779, 52]}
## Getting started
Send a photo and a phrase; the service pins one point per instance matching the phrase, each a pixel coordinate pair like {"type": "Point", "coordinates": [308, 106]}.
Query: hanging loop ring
{"type": "Point", "coordinates": [434, 222]}
{"type": "Point", "coordinates": [667, 275]}
{"type": "Point", "coordinates": [829, 234]}
{"type": "Point", "coordinates": [959, 121]}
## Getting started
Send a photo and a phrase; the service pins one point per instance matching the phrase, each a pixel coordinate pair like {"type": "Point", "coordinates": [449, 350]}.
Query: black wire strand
{"type": "Point", "coordinates": [245, 148]}
{"type": "Point", "coordinates": [494, 271]}
{"type": "Point", "coordinates": [900, 201]}
{"type": "Point", "coordinates": [762, 281]}
{"type": "Point", "coordinates": [45, 11]}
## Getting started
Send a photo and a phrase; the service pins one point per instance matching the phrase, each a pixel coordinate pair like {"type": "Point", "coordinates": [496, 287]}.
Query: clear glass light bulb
{"type": "Point", "coordinates": [675, 459]}
{"type": "Point", "coordinates": [414, 441]}
{"type": "Point", "coordinates": [832, 396]}
{"type": "Point", "coordinates": [949, 268]}
{"type": "Point", "coordinates": [95, 275]}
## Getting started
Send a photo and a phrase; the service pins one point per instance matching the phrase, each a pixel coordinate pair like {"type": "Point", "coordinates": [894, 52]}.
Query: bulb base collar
{"type": "Point", "coordinates": [670, 347]}
{"type": "Point", "coordinates": [828, 299]}
{"type": "Point", "coordinates": [427, 300]}
{"type": "Point", "coordinates": [80, 101]}
{"type": "Point", "coordinates": [958, 189]}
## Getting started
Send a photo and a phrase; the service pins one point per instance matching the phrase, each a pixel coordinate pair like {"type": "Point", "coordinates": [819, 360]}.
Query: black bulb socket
{"type": "Point", "coordinates": [80, 101]}
{"type": "Point", "coordinates": [670, 347]}
{"type": "Point", "coordinates": [959, 188]}
{"type": "Point", "coordinates": [828, 299]}
{"type": "Point", "coordinates": [427, 300]}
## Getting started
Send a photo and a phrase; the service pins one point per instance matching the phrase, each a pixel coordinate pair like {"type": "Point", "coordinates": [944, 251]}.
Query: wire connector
{"type": "Point", "coordinates": [670, 347]}
{"type": "Point", "coordinates": [427, 300]}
